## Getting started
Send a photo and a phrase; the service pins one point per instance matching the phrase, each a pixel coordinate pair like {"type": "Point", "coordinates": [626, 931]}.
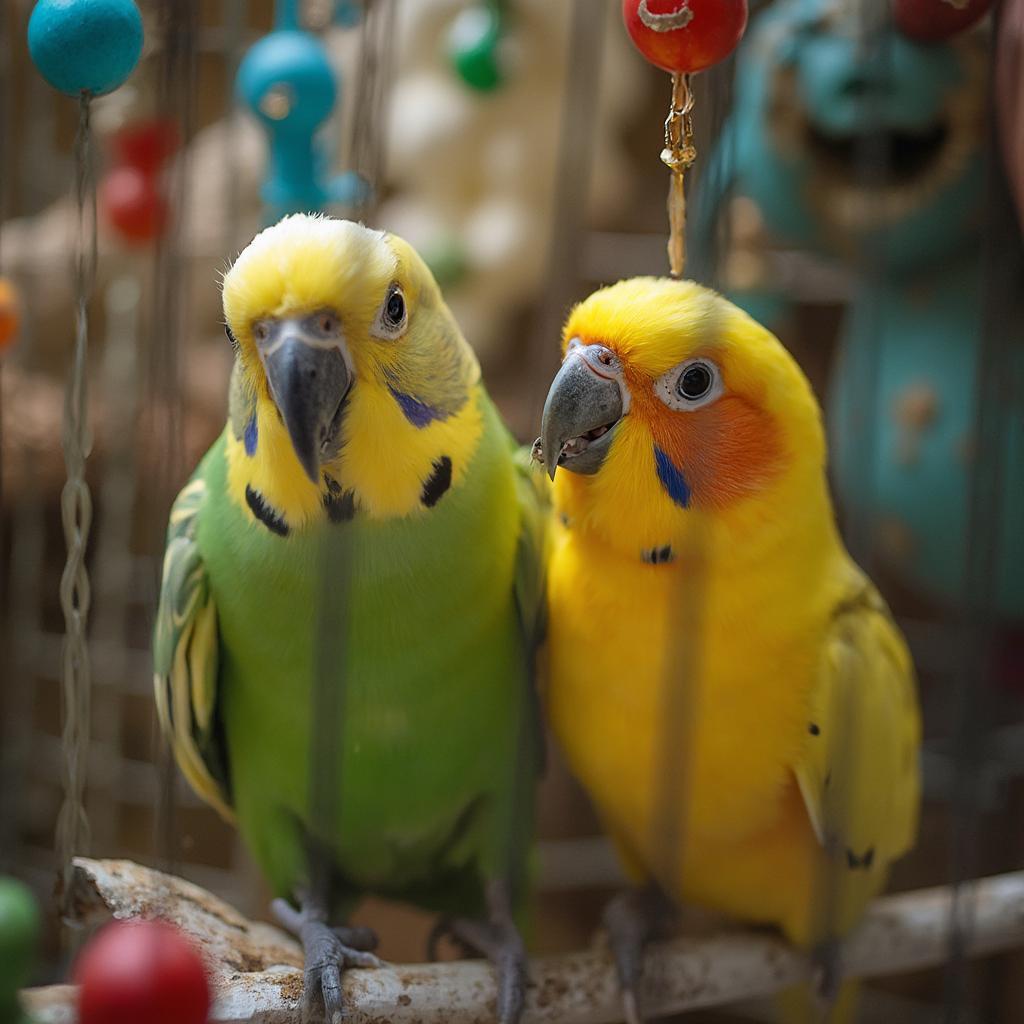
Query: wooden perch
{"type": "Point", "coordinates": [257, 977]}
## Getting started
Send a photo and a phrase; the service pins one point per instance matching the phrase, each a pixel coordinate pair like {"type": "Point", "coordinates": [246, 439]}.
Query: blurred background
{"type": "Point", "coordinates": [857, 189]}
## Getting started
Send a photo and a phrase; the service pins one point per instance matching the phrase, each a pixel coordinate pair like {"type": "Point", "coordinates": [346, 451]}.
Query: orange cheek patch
{"type": "Point", "coordinates": [726, 450]}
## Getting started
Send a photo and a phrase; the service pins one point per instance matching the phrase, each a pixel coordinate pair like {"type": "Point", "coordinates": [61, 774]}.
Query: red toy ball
{"type": "Point", "coordinates": [132, 204]}
{"type": "Point", "coordinates": [935, 20]}
{"type": "Point", "coordinates": [147, 144]}
{"type": "Point", "coordinates": [10, 314]}
{"type": "Point", "coordinates": [141, 972]}
{"type": "Point", "coordinates": [683, 36]}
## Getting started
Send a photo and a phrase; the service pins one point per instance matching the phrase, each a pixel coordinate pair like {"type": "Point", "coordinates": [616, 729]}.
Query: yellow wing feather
{"type": "Point", "coordinates": [859, 776]}
{"type": "Point", "coordinates": [185, 655]}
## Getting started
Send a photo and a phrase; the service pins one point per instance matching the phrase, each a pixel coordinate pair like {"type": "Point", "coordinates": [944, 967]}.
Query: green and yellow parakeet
{"type": "Point", "coordinates": [696, 565]}
{"type": "Point", "coordinates": [358, 417]}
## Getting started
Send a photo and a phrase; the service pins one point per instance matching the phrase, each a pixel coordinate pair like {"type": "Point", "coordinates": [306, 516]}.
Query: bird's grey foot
{"type": "Point", "coordinates": [498, 939]}
{"type": "Point", "coordinates": [632, 919]}
{"type": "Point", "coordinates": [826, 975]}
{"type": "Point", "coordinates": [328, 951]}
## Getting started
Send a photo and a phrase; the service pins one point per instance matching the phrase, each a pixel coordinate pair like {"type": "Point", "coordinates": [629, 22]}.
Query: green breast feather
{"type": "Point", "coordinates": [398, 653]}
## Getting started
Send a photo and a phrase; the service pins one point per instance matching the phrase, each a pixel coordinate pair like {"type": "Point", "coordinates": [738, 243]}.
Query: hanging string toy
{"type": "Point", "coordinates": [682, 37]}
{"type": "Point", "coordinates": [84, 48]}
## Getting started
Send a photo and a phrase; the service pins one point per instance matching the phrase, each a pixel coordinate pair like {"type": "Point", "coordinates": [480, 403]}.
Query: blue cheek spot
{"type": "Point", "coordinates": [418, 413]}
{"type": "Point", "coordinates": [672, 478]}
{"type": "Point", "coordinates": [250, 436]}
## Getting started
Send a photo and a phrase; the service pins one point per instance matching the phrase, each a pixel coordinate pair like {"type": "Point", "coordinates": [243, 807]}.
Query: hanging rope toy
{"type": "Point", "coordinates": [682, 37]}
{"type": "Point", "coordinates": [84, 48]}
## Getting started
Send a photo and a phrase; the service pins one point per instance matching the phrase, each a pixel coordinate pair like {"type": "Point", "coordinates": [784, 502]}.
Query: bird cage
{"type": "Point", "coordinates": [849, 176]}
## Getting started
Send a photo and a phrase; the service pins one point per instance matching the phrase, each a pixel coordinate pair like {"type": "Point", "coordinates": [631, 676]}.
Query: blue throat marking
{"type": "Point", "coordinates": [672, 479]}
{"type": "Point", "coordinates": [251, 436]}
{"type": "Point", "coordinates": [418, 413]}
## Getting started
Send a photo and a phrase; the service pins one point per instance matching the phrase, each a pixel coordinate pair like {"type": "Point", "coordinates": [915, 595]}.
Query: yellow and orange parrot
{"type": "Point", "coordinates": [696, 565]}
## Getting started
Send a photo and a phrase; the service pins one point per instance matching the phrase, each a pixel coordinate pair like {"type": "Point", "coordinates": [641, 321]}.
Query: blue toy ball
{"type": "Point", "coordinates": [88, 46]}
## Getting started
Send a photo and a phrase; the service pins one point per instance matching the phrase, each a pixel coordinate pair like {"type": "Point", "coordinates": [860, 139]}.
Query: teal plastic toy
{"type": "Point", "coordinates": [347, 13]}
{"type": "Point", "coordinates": [874, 156]}
{"type": "Point", "coordinates": [85, 46]}
{"type": "Point", "coordinates": [287, 81]}
{"type": "Point", "coordinates": [19, 936]}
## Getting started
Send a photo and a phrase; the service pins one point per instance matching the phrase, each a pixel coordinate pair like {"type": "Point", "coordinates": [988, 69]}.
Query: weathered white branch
{"type": "Point", "coordinates": [257, 979]}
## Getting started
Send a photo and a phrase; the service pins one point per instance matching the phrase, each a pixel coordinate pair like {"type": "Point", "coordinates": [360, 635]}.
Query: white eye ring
{"type": "Point", "coordinates": [691, 385]}
{"type": "Point", "coordinates": [385, 325]}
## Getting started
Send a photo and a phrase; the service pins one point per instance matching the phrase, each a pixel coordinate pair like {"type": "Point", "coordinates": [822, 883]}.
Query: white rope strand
{"type": "Point", "coordinates": [76, 514]}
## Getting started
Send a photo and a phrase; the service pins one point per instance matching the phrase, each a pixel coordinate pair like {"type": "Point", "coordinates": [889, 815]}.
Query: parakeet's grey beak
{"type": "Point", "coordinates": [583, 407]}
{"type": "Point", "coordinates": [309, 375]}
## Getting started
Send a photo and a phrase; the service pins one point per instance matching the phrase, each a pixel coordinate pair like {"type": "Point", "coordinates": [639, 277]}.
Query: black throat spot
{"type": "Point", "coordinates": [438, 482]}
{"type": "Point", "coordinates": [340, 505]}
{"type": "Point", "coordinates": [272, 520]}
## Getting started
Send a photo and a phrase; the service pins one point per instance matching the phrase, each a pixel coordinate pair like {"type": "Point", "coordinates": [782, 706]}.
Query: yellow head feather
{"type": "Point", "coordinates": [756, 452]}
{"type": "Point", "coordinates": [305, 264]}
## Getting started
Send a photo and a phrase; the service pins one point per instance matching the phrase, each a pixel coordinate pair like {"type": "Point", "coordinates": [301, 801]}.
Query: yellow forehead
{"type": "Point", "coordinates": [306, 262]}
{"type": "Point", "coordinates": [652, 323]}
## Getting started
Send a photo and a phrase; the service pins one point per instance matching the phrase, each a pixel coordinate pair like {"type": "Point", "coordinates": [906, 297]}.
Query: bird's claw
{"type": "Point", "coordinates": [826, 976]}
{"type": "Point", "coordinates": [630, 1008]}
{"type": "Point", "coordinates": [499, 941]}
{"type": "Point", "coordinates": [632, 919]}
{"type": "Point", "coordinates": [326, 957]}
{"type": "Point", "coordinates": [328, 951]}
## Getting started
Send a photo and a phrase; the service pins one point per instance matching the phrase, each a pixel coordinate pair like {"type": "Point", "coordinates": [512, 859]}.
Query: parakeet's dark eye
{"type": "Point", "coordinates": [393, 315]}
{"type": "Point", "coordinates": [695, 381]}
{"type": "Point", "coordinates": [328, 323]}
{"type": "Point", "coordinates": [394, 309]}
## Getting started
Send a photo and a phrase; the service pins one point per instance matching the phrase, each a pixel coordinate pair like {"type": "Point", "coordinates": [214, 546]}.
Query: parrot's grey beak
{"type": "Point", "coordinates": [310, 378]}
{"type": "Point", "coordinates": [583, 407]}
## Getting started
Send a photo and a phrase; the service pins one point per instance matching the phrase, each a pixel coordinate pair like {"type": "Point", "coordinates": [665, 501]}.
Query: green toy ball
{"type": "Point", "coordinates": [19, 935]}
{"type": "Point", "coordinates": [474, 46]}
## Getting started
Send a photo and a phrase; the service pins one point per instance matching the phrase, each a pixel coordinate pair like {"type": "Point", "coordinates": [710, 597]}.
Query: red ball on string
{"type": "Point", "coordinates": [147, 145]}
{"type": "Point", "coordinates": [10, 314]}
{"type": "Point", "coordinates": [141, 972]}
{"type": "Point", "coordinates": [132, 204]}
{"type": "Point", "coordinates": [935, 20]}
{"type": "Point", "coordinates": [685, 36]}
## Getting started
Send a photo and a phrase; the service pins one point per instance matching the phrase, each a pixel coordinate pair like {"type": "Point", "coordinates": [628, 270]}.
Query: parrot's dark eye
{"type": "Point", "coordinates": [690, 386]}
{"type": "Point", "coordinates": [695, 381]}
{"type": "Point", "coordinates": [394, 310]}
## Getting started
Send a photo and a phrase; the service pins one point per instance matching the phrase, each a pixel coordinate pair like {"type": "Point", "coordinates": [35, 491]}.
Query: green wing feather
{"type": "Point", "coordinates": [860, 776]}
{"type": "Point", "coordinates": [185, 657]}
